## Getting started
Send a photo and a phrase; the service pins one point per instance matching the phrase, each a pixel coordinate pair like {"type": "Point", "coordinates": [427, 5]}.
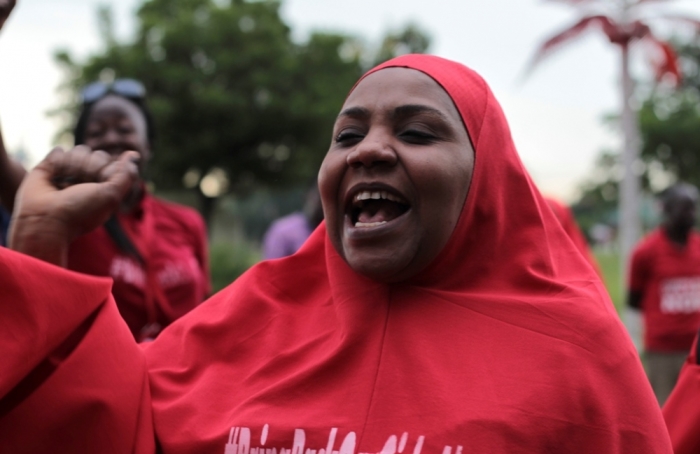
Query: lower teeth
{"type": "Point", "coordinates": [369, 224]}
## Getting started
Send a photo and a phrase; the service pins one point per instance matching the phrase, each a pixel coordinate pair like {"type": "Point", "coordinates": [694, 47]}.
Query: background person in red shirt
{"type": "Point", "coordinates": [664, 283]}
{"type": "Point", "coordinates": [155, 251]}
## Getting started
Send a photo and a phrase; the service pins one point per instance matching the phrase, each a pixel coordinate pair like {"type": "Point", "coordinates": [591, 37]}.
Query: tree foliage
{"type": "Point", "coordinates": [669, 123]}
{"type": "Point", "coordinates": [599, 200]}
{"type": "Point", "coordinates": [230, 89]}
{"type": "Point", "coordinates": [410, 40]}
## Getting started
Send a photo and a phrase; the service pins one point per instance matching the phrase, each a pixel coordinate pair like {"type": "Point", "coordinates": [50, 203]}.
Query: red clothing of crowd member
{"type": "Point", "coordinates": [668, 277]}
{"type": "Point", "coordinates": [504, 342]}
{"type": "Point", "coordinates": [155, 251]}
{"type": "Point", "coordinates": [174, 276]}
{"type": "Point", "coordinates": [682, 409]}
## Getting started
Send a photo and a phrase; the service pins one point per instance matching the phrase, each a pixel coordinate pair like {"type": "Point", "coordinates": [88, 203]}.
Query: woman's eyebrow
{"type": "Point", "coordinates": [409, 110]}
{"type": "Point", "coordinates": [355, 112]}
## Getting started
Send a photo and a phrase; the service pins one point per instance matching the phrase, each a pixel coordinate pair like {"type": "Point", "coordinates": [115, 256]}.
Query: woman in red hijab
{"type": "Point", "coordinates": [439, 309]}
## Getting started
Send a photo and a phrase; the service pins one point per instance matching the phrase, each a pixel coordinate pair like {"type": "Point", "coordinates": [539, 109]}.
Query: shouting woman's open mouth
{"type": "Point", "coordinates": [371, 207]}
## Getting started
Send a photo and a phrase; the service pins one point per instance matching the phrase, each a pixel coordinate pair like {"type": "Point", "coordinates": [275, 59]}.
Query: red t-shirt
{"type": "Point", "coordinates": [175, 277]}
{"type": "Point", "coordinates": [668, 276]}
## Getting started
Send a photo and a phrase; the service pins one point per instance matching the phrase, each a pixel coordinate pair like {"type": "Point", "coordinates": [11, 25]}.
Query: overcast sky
{"type": "Point", "coordinates": [555, 114]}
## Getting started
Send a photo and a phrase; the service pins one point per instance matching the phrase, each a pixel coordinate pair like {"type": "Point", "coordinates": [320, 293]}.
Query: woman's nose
{"type": "Point", "coordinates": [112, 136]}
{"type": "Point", "coordinates": [374, 149]}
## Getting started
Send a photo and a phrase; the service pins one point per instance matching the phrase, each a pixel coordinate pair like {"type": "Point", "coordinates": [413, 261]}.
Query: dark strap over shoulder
{"type": "Point", "coordinates": [121, 239]}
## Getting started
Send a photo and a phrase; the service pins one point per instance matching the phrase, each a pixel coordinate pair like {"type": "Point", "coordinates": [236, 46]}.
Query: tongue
{"type": "Point", "coordinates": [379, 211]}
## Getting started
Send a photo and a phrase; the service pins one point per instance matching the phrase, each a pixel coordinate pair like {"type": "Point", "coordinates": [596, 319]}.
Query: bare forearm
{"type": "Point", "coordinates": [47, 218]}
{"type": "Point", "coordinates": [40, 238]}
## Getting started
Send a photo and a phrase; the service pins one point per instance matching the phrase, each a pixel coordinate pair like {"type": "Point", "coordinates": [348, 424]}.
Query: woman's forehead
{"type": "Point", "coordinates": [117, 105]}
{"type": "Point", "coordinates": [390, 86]}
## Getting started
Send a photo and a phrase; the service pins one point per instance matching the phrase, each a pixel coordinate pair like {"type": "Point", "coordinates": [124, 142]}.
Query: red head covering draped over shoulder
{"type": "Point", "coordinates": [506, 342]}
{"type": "Point", "coordinates": [568, 223]}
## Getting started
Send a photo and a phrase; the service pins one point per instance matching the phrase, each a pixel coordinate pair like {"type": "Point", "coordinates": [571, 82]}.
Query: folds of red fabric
{"type": "Point", "coordinates": [682, 409]}
{"type": "Point", "coordinates": [71, 377]}
{"type": "Point", "coordinates": [505, 343]}
{"type": "Point", "coordinates": [268, 365]}
{"type": "Point", "coordinates": [568, 223]}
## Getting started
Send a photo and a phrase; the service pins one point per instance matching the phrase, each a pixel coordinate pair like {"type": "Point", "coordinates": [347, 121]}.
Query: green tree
{"type": "Point", "coordinates": [669, 123]}
{"type": "Point", "coordinates": [625, 24]}
{"type": "Point", "coordinates": [408, 40]}
{"type": "Point", "coordinates": [231, 93]}
{"type": "Point", "coordinates": [599, 200]}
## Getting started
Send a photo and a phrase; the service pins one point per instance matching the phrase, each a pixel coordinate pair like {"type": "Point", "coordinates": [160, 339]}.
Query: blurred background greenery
{"type": "Point", "coordinates": [609, 263]}
{"type": "Point", "coordinates": [243, 114]}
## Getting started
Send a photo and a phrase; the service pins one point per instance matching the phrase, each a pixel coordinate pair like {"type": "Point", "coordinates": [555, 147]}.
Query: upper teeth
{"type": "Point", "coordinates": [376, 195]}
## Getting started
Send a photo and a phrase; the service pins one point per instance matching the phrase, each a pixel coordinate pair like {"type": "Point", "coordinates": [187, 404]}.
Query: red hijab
{"type": "Point", "coordinates": [506, 342]}
{"type": "Point", "coordinates": [568, 223]}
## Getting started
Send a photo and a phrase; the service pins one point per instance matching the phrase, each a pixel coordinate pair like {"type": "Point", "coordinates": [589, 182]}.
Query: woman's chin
{"type": "Point", "coordinates": [381, 269]}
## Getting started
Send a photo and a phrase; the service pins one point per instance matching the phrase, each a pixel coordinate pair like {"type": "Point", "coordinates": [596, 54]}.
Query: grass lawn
{"type": "Point", "coordinates": [610, 266]}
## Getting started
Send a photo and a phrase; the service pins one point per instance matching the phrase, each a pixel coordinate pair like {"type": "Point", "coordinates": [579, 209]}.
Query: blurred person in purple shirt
{"type": "Point", "coordinates": [286, 234]}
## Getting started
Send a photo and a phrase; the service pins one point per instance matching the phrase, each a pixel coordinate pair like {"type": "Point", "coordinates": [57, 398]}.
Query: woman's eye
{"type": "Point", "coordinates": [124, 127]}
{"type": "Point", "coordinates": [348, 137]}
{"type": "Point", "coordinates": [417, 136]}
